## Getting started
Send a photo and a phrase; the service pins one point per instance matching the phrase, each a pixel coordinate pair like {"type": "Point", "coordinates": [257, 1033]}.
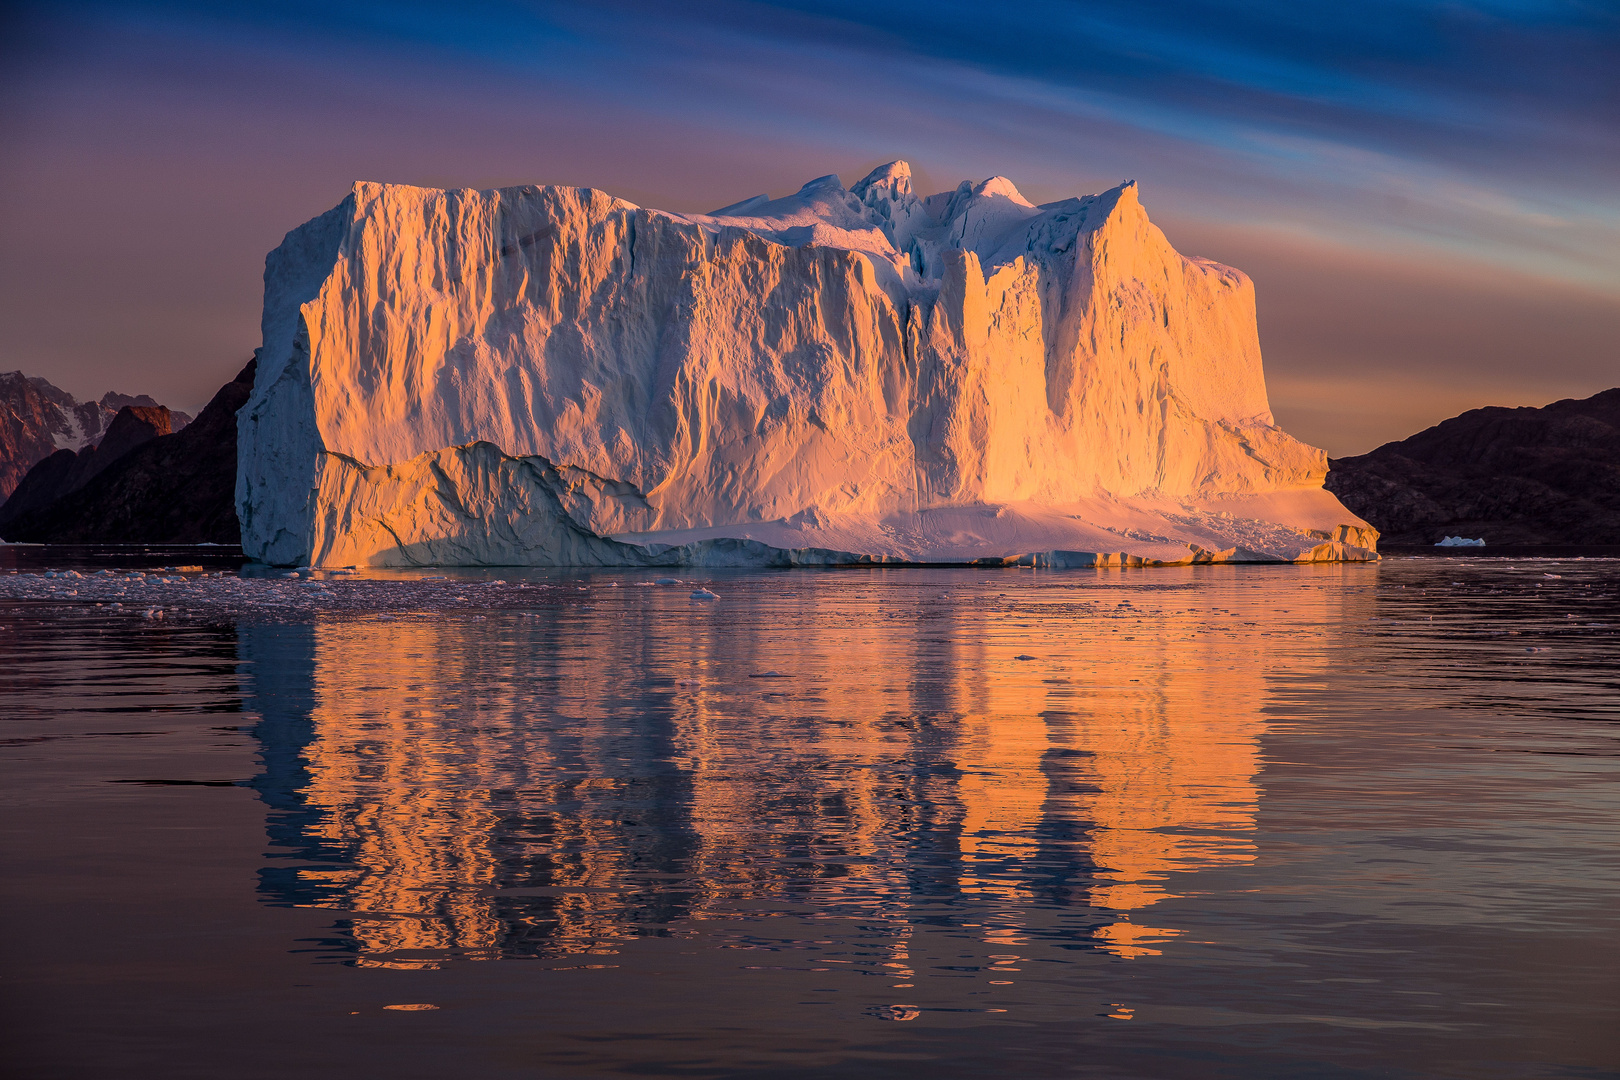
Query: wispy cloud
{"type": "Point", "coordinates": [1479, 131]}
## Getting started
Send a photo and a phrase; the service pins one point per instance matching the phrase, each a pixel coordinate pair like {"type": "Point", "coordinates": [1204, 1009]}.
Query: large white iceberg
{"type": "Point", "coordinates": [553, 376]}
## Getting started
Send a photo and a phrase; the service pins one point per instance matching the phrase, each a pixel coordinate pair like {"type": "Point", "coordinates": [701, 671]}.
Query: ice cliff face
{"type": "Point", "coordinates": [515, 375]}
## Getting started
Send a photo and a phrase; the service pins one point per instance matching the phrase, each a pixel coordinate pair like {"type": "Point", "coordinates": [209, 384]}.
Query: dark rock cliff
{"type": "Point", "coordinates": [169, 489]}
{"type": "Point", "coordinates": [38, 420]}
{"type": "Point", "coordinates": [66, 471]}
{"type": "Point", "coordinates": [1511, 476]}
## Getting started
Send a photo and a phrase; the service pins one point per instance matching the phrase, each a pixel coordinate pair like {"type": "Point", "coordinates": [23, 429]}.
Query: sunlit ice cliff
{"type": "Point", "coordinates": [553, 376]}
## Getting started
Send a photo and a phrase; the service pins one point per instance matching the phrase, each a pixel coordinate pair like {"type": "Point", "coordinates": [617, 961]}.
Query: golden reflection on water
{"type": "Point", "coordinates": [563, 782]}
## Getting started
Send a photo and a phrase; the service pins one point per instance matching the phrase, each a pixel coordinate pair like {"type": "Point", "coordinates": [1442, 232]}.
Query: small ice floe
{"type": "Point", "coordinates": [1023, 656]}
{"type": "Point", "coordinates": [704, 594]}
{"type": "Point", "coordinates": [688, 684]}
{"type": "Point", "coordinates": [1460, 541]}
{"type": "Point", "coordinates": [667, 581]}
{"type": "Point", "coordinates": [1555, 577]}
{"type": "Point", "coordinates": [769, 675]}
{"type": "Point", "coordinates": [1534, 649]}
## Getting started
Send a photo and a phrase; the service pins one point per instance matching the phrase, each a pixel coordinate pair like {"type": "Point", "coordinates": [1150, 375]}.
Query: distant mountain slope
{"type": "Point", "coordinates": [1511, 476]}
{"type": "Point", "coordinates": [38, 419]}
{"type": "Point", "coordinates": [173, 489]}
{"type": "Point", "coordinates": [66, 471]}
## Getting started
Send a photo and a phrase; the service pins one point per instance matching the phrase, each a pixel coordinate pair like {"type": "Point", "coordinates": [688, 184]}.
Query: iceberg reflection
{"type": "Point", "coordinates": [858, 746]}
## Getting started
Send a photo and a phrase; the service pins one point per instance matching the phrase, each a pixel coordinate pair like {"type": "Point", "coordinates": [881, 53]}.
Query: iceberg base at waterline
{"type": "Point", "coordinates": [475, 506]}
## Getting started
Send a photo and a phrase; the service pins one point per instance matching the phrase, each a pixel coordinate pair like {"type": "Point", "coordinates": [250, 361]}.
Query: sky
{"type": "Point", "coordinates": [1427, 195]}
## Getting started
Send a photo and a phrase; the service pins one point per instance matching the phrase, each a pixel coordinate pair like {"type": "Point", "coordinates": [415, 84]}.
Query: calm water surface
{"type": "Point", "coordinates": [1336, 821]}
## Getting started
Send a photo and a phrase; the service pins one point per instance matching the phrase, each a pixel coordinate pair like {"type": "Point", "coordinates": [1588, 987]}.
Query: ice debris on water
{"type": "Point", "coordinates": [1460, 541]}
{"type": "Point", "coordinates": [704, 594]}
{"type": "Point", "coordinates": [264, 595]}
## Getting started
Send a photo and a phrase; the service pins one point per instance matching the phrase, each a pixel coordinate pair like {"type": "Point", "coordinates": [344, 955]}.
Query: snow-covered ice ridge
{"type": "Point", "coordinates": [553, 376]}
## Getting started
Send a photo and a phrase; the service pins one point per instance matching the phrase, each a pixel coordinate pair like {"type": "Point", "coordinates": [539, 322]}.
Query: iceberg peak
{"type": "Point", "coordinates": [829, 181]}
{"type": "Point", "coordinates": [892, 181]}
{"type": "Point", "coordinates": [1000, 185]}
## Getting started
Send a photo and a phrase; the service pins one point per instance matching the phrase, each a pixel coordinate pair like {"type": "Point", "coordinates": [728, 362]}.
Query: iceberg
{"type": "Point", "coordinates": [553, 376]}
{"type": "Point", "coordinates": [1459, 541]}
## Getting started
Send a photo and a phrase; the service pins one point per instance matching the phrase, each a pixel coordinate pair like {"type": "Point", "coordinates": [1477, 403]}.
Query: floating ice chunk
{"type": "Point", "coordinates": [1023, 656]}
{"type": "Point", "coordinates": [1555, 577]}
{"type": "Point", "coordinates": [704, 594]}
{"type": "Point", "coordinates": [667, 581]}
{"type": "Point", "coordinates": [1460, 541]}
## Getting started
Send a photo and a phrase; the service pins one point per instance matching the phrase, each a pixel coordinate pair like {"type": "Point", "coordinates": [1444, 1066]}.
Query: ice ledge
{"type": "Point", "coordinates": [476, 506]}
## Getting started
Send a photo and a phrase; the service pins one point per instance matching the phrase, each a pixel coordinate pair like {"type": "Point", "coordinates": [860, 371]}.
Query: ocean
{"type": "Point", "coordinates": [1206, 822]}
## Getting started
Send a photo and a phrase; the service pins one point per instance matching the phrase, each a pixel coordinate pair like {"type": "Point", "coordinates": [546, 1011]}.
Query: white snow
{"type": "Point", "coordinates": [551, 376]}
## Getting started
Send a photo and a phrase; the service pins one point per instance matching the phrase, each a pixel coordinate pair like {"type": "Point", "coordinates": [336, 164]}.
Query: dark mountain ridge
{"type": "Point", "coordinates": [66, 471]}
{"type": "Point", "coordinates": [165, 488]}
{"type": "Point", "coordinates": [1510, 476]}
{"type": "Point", "coordinates": [38, 419]}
